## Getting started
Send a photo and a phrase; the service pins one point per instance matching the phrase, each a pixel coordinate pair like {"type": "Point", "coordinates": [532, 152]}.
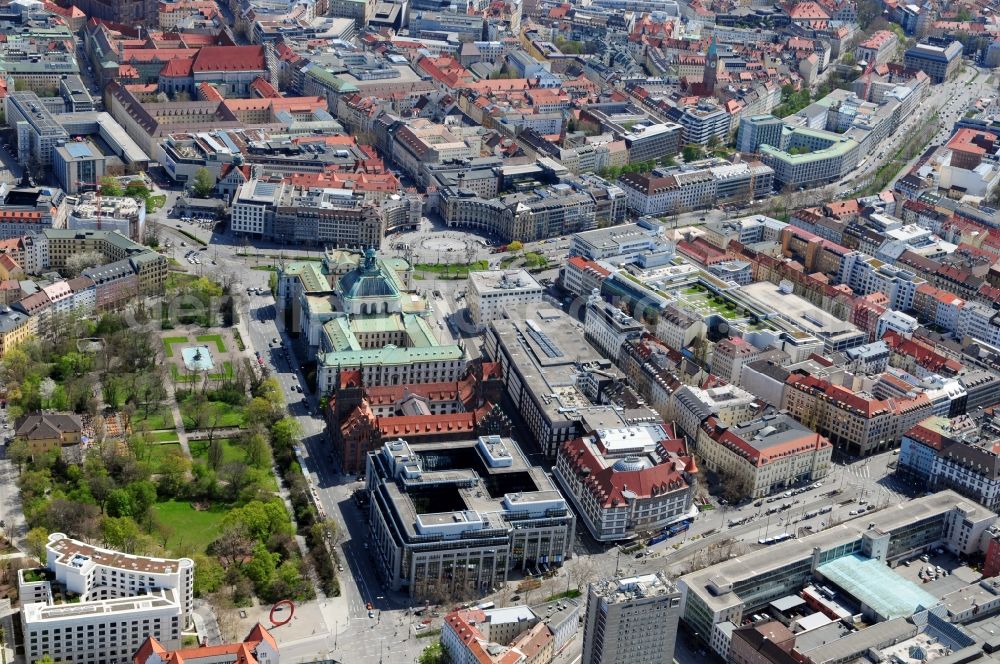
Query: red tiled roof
{"type": "Point", "coordinates": [158, 54]}
{"type": "Point", "coordinates": [808, 10]}
{"type": "Point", "coordinates": [877, 40]}
{"type": "Point", "coordinates": [866, 407]}
{"type": "Point", "coordinates": [759, 457]}
{"type": "Point", "coordinates": [229, 58]}
{"type": "Point", "coordinates": [209, 92]}
{"type": "Point", "coordinates": [427, 425]}
{"type": "Point", "coordinates": [964, 137]}
{"type": "Point", "coordinates": [924, 354]}
{"type": "Point", "coordinates": [609, 486]}
{"type": "Point", "coordinates": [177, 68]}
{"type": "Point", "coordinates": [8, 263]}
{"type": "Point", "coordinates": [581, 263]}
{"type": "Point", "coordinates": [230, 653]}
{"type": "Point", "coordinates": [264, 88]}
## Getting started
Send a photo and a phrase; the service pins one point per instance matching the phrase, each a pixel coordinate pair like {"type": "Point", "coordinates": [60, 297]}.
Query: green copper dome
{"type": "Point", "coordinates": [370, 279]}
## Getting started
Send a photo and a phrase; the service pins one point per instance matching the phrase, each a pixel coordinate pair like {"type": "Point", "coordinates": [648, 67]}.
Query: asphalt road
{"type": "Point", "coordinates": [949, 100]}
{"type": "Point", "coordinates": [355, 636]}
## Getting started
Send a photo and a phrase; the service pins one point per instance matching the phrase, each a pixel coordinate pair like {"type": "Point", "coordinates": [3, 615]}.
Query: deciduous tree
{"type": "Point", "coordinates": [35, 540]}
{"type": "Point", "coordinates": [203, 183]}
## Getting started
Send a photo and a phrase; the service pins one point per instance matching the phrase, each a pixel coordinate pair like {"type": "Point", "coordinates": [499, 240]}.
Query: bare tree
{"type": "Point", "coordinates": [582, 571]}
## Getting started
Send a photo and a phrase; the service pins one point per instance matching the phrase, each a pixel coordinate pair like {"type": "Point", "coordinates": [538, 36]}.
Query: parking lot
{"type": "Point", "coordinates": [938, 572]}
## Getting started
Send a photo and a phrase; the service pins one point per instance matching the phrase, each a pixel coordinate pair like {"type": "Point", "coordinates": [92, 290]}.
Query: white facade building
{"type": "Point", "coordinates": [490, 294]}
{"type": "Point", "coordinates": [903, 324]}
{"type": "Point", "coordinates": [608, 327]}
{"type": "Point", "coordinates": [122, 599]}
{"type": "Point", "coordinates": [979, 321]}
{"type": "Point", "coordinates": [253, 206]}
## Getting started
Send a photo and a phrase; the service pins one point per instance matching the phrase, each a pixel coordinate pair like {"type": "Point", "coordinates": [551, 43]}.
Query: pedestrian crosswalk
{"type": "Point", "coordinates": [861, 470]}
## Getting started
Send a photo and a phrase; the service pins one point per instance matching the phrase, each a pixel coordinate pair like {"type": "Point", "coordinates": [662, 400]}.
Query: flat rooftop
{"type": "Point", "coordinates": [451, 483]}
{"type": "Point", "coordinates": [770, 431]}
{"type": "Point", "coordinates": [162, 598]}
{"type": "Point", "coordinates": [71, 550]}
{"type": "Point", "coordinates": [612, 238]}
{"type": "Point", "coordinates": [779, 556]}
{"type": "Point", "coordinates": [799, 311]}
{"type": "Point", "coordinates": [503, 280]}
{"type": "Point", "coordinates": [873, 584]}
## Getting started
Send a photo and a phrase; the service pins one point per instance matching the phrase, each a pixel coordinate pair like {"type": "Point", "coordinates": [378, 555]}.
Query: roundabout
{"type": "Point", "coordinates": [444, 243]}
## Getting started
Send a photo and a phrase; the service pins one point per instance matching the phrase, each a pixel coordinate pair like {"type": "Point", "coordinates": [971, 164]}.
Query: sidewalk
{"type": "Point", "coordinates": [175, 412]}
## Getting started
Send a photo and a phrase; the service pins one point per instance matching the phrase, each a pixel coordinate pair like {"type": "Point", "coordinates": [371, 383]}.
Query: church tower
{"type": "Point", "coordinates": [713, 67]}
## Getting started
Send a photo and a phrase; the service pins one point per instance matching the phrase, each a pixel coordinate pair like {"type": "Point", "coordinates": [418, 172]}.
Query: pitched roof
{"type": "Point", "coordinates": [177, 67]}
{"type": "Point", "coordinates": [609, 483]}
{"type": "Point", "coordinates": [244, 652]}
{"type": "Point", "coordinates": [8, 263]}
{"type": "Point", "coordinates": [44, 426]}
{"type": "Point", "coordinates": [229, 58]}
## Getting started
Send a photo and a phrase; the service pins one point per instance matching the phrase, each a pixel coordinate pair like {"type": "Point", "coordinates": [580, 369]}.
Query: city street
{"type": "Point", "coordinates": [353, 633]}
{"type": "Point", "coordinates": [347, 635]}
{"type": "Point", "coordinates": [948, 100]}
{"type": "Point", "coordinates": [349, 630]}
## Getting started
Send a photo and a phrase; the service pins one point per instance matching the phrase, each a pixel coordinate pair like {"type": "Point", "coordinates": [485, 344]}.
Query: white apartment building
{"type": "Point", "coordinates": [253, 206]}
{"type": "Point", "coordinates": [104, 632]}
{"type": "Point", "coordinates": [122, 599]}
{"type": "Point", "coordinates": [979, 321]}
{"type": "Point", "coordinates": [490, 294]}
{"type": "Point", "coordinates": [678, 328]}
{"type": "Point", "coordinates": [903, 324]}
{"type": "Point", "coordinates": [865, 275]}
{"type": "Point", "coordinates": [693, 405]}
{"type": "Point", "coordinates": [696, 185]}
{"type": "Point", "coordinates": [61, 296]}
{"type": "Point", "coordinates": [608, 328]}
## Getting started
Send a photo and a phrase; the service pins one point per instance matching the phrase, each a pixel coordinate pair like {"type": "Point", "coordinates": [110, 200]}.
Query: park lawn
{"type": "Point", "coordinates": [155, 202]}
{"type": "Point", "coordinates": [453, 270]}
{"type": "Point", "coordinates": [161, 418]}
{"type": "Point", "coordinates": [213, 338]}
{"type": "Point", "coordinates": [230, 451]}
{"type": "Point", "coordinates": [271, 482]}
{"type": "Point", "coordinates": [178, 377]}
{"type": "Point", "coordinates": [226, 373]}
{"type": "Point", "coordinates": [230, 416]}
{"type": "Point", "coordinates": [159, 452]}
{"type": "Point", "coordinates": [529, 260]}
{"type": "Point", "coordinates": [163, 436]}
{"type": "Point", "coordinates": [168, 343]}
{"type": "Point", "coordinates": [191, 529]}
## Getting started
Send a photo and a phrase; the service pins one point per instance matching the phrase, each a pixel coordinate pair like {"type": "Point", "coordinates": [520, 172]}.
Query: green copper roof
{"type": "Point", "coordinates": [371, 279]}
